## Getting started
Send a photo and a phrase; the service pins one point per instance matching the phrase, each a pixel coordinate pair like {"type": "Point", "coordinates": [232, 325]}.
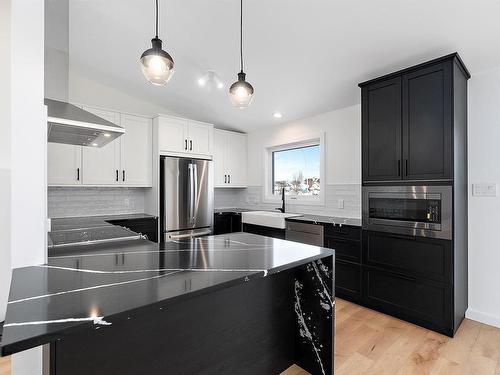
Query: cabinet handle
{"type": "Point", "coordinates": [117, 175]}
{"type": "Point", "coordinates": [399, 168]}
{"type": "Point", "coordinates": [228, 178]}
{"type": "Point", "coordinates": [190, 145]}
{"type": "Point", "coordinates": [406, 167]}
{"type": "Point", "coordinates": [78, 174]}
{"type": "Point", "coordinates": [185, 144]}
{"type": "Point", "coordinates": [123, 175]}
{"type": "Point", "coordinates": [225, 178]}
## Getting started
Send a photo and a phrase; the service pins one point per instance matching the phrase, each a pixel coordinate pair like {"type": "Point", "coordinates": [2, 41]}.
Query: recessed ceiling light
{"type": "Point", "coordinates": [94, 144]}
{"type": "Point", "coordinates": [202, 82]}
{"type": "Point", "coordinates": [107, 135]}
{"type": "Point", "coordinates": [277, 115]}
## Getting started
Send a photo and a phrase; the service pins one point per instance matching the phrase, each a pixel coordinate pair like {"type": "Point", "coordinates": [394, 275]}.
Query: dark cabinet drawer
{"type": "Point", "coordinates": [418, 300]}
{"type": "Point", "coordinates": [413, 256]}
{"type": "Point", "coordinates": [146, 226]}
{"type": "Point", "coordinates": [344, 249]}
{"type": "Point", "coordinates": [227, 222]}
{"type": "Point", "coordinates": [344, 231]}
{"type": "Point", "coordinates": [348, 280]}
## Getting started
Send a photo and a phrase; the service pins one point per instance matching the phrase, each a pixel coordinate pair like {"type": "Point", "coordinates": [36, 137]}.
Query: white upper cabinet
{"type": "Point", "coordinates": [230, 159]}
{"type": "Point", "coordinates": [183, 137]}
{"type": "Point", "coordinates": [126, 161]}
{"type": "Point", "coordinates": [172, 134]}
{"type": "Point", "coordinates": [136, 151]}
{"type": "Point", "coordinates": [64, 164]}
{"type": "Point", "coordinates": [101, 166]}
{"type": "Point", "coordinates": [220, 176]}
{"type": "Point", "coordinates": [201, 138]}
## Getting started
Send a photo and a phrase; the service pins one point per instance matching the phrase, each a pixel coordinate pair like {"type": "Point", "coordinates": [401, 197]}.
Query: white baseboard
{"type": "Point", "coordinates": [482, 317]}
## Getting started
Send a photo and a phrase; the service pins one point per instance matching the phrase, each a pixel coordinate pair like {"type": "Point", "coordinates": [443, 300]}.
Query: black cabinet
{"type": "Point", "coordinates": [408, 120]}
{"type": "Point", "coordinates": [227, 222]}
{"type": "Point", "coordinates": [427, 123]}
{"type": "Point", "coordinates": [420, 301]}
{"type": "Point", "coordinates": [348, 283]}
{"type": "Point", "coordinates": [264, 231]}
{"type": "Point", "coordinates": [413, 256]}
{"type": "Point", "coordinates": [145, 226]}
{"type": "Point", "coordinates": [381, 123]}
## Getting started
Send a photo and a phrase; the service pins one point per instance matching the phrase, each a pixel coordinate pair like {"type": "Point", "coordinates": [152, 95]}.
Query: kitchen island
{"type": "Point", "coordinates": [228, 304]}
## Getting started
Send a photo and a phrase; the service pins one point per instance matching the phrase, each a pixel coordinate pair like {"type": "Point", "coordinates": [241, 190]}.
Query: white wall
{"type": "Point", "coordinates": [343, 144]}
{"type": "Point", "coordinates": [342, 131]}
{"type": "Point", "coordinates": [87, 91]}
{"type": "Point", "coordinates": [4, 156]}
{"type": "Point", "coordinates": [484, 212]}
{"type": "Point", "coordinates": [28, 132]}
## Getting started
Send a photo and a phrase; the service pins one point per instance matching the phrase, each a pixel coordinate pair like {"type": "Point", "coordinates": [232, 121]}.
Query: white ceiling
{"type": "Point", "coordinates": [303, 57]}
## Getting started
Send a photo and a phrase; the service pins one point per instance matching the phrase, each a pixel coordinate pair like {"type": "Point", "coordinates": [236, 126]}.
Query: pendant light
{"type": "Point", "coordinates": [241, 92]}
{"type": "Point", "coordinates": [156, 64]}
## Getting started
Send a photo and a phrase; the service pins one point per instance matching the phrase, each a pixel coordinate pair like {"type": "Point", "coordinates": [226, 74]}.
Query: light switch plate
{"type": "Point", "coordinates": [340, 203]}
{"type": "Point", "coordinates": [484, 190]}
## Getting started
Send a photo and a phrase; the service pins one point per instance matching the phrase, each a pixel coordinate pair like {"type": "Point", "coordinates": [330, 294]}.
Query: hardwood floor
{"type": "Point", "coordinates": [4, 365]}
{"type": "Point", "coordinates": [369, 343]}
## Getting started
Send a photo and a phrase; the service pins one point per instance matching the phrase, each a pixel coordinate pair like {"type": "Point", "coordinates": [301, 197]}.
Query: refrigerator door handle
{"type": "Point", "coordinates": [191, 192]}
{"type": "Point", "coordinates": [195, 193]}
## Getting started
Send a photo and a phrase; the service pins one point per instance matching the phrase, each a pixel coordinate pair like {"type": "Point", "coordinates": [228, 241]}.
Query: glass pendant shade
{"type": "Point", "coordinates": [156, 64]}
{"type": "Point", "coordinates": [241, 92]}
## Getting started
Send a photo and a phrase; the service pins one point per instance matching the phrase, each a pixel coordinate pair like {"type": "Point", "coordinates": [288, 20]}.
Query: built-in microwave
{"type": "Point", "coordinates": [424, 211]}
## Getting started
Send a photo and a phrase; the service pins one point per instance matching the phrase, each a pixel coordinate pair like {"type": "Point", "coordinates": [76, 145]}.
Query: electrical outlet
{"type": "Point", "coordinates": [484, 190]}
{"type": "Point", "coordinates": [127, 202]}
{"type": "Point", "coordinates": [340, 203]}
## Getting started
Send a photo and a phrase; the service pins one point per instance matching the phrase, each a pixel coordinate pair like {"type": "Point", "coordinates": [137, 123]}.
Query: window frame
{"type": "Point", "coordinates": [269, 197]}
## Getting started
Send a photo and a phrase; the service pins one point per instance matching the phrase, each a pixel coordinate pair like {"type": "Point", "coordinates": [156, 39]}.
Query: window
{"type": "Point", "coordinates": [297, 169]}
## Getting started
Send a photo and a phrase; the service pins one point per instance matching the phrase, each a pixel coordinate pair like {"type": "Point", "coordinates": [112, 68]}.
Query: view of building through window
{"type": "Point", "coordinates": [297, 170]}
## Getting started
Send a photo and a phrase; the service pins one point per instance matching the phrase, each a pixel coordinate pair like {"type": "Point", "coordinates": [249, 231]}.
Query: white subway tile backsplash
{"type": "Point", "coordinates": [252, 197]}
{"type": "Point", "coordinates": [90, 201]}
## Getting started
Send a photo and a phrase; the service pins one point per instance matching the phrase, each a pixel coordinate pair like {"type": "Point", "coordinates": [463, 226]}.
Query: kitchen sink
{"type": "Point", "coordinates": [271, 219]}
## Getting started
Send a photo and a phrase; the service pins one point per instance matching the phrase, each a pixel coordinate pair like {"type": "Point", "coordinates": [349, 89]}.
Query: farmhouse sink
{"type": "Point", "coordinates": [271, 219]}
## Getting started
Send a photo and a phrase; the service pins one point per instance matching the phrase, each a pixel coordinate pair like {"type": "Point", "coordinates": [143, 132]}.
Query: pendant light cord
{"type": "Point", "coordinates": [156, 19]}
{"type": "Point", "coordinates": [241, 35]}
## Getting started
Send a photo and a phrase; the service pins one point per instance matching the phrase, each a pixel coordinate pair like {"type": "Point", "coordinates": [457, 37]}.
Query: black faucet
{"type": "Point", "coordinates": [282, 208]}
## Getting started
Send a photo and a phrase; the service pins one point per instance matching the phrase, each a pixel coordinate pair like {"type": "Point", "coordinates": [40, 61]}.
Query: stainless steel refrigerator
{"type": "Point", "coordinates": [186, 197]}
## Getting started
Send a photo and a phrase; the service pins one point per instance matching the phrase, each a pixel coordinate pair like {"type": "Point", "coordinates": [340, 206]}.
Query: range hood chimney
{"type": "Point", "coordinates": [68, 123]}
{"type": "Point", "coordinates": [71, 125]}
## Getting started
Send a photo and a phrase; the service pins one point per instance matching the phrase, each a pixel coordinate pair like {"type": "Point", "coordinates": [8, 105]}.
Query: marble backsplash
{"type": "Point", "coordinates": [337, 195]}
{"type": "Point", "coordinates": [90, 201]}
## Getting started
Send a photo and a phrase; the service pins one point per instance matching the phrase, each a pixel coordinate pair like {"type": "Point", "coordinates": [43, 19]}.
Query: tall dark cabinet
{"type": "Point", "coordinates": [414, 134]}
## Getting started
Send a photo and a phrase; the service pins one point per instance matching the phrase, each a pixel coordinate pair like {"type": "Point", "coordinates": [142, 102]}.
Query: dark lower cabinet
{"type": "Point", "coordinates": [227, 222]}
{"type": "Point", "coordinates": [424, 302]}
{"type": "Point", "coordinates": [264, 231]}
{"type": "Point", "coordinates": [348, 280]}
{"type": "Point", "coordinates": [413, 256]}
{"type": "Point", "coordinates": [145, 226]}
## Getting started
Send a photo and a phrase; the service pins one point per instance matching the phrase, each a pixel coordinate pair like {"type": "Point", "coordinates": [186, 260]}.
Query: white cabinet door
{"type": "Point", "coordinates": [201, 138]}
{"type": "Point", "coordinates": [136, 151]}
{"type": "Point", "coordinates": [220, 179]}
{"type": "Point", "coordinates": [236, 159]}
{"type": "Point", "coordinates": [64, 164]}
{"type": "Point", "coordinates": [173, 134]}
{"type": "Point", "coordinates": [101, 166]}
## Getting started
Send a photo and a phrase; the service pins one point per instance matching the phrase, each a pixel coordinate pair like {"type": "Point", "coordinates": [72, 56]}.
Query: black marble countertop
{"type": "Point", "coordinates": [89, 229]}
{"type": "Point", "coordinates": [69, 223]}
{"type": "Point", "coordinates": [84, 291]}
{"type": "Point", "coordinates": [326, 220]}
{"type": "Point", "coordinates": [306, 218]}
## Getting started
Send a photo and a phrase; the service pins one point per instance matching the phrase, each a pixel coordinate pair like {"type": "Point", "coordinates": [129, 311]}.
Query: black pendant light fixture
{"type": "Point", "coordinates": [156, 64]}
{"type": "Point", "coordinates": [241, 92]}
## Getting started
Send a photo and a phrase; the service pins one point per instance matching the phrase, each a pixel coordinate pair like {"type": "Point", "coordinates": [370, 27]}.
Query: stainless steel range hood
{"type": "Point", "coordinates": [72, 125]}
